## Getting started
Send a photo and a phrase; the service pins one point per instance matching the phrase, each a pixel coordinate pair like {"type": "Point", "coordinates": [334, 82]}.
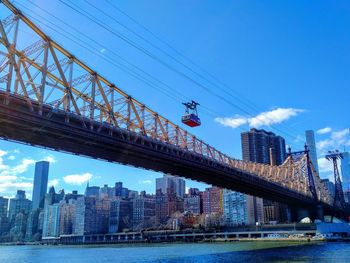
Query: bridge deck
{"type": "Point", "coordinates": [60, 131]}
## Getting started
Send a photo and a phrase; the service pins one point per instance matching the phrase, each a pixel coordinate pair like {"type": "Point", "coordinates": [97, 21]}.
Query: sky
{"type": "Point", "coordinates": [277, 65]}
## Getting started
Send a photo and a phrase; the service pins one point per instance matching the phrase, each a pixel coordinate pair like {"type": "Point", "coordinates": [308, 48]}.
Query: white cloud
{"type": "Point", "coordinates": [267, 118]}
{"type": "Point", "coordinates": [232, 122]}
{"type": "Point", "coordinates": [337, 140]}
{"type": "Point", "coordinates": [22, 167]}
{"type": "Point", "coordinates": [77, 179]}
{"type": "Point", "coordinates": [11, 157]}
{"type": "Point", "coordinates": [7, 178]}
{"type": "Point", "coordinates": [9, 183]}
{"type": "Point", "coordinates": [53, 182]}
{"type": "Point", "coordinates": [102, 50]}
{"type": "Point", "coordinates": [11, 178]}
{"type": "Point", "coordinates": [50, 159]}
{"type": "Point", "coordinates": [324, 130]}
{"type": "Point", "coordinates": [340, 135]}
{"type": "Point", "coordinates": [145, 182]}
{"type": "Point", "coordinates": [325, 166]}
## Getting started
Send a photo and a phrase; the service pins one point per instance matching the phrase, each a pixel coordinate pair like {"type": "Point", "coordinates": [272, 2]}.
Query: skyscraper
{"type": "Point", "coordinates": [345, 171]}
{"type": "Point", "coordinates": [91, 215]}
{"type": "Point", "coordinates": [213, 200]}
{"type": "Point", "coordinates": [174, 183]}
{"type": "Point", "coordinates": [120, 215]}
{"type": "Point", "coordinates": [3, 206]}
{"type": "Point", "coordinates": [143, 210]}
{"type": "Point", "coordinates": [40, 183]}
{"type": "Point", "coordinates": [310, 142]}
{"type": "Point", "coordinates": [92, 191]}
{"type": "Point", "coordinates": [51, 226]}
{"type": "Point", "coordinates": [192, 204]}
{"type": "Point", "coordinates": [256, 145]}
{"type": "Point", "coordinates": [32, 224]}
{"type": "Point", "coordinates": [19, 204]}
{"type": "Point", "coordinates": [67, 210]}
{"type": "Point", "coordinates": [265, 147]}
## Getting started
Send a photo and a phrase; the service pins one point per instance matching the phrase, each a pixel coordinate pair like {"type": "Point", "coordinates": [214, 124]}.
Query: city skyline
{"type": "Point", "coordinates": [19, 164]}
{"type": "Point", "coordinates": [174, 131]}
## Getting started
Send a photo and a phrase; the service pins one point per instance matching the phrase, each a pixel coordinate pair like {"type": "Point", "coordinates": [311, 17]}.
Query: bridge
{"type": "Point", "coordinates": [49, 98]}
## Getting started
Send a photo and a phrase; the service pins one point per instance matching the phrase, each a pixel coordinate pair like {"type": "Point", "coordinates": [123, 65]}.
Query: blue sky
{"type": "Point", "coordinates": [285, 64]}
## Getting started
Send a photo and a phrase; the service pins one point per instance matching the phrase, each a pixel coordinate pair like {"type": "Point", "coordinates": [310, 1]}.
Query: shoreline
{"type": "Point", "coordinates": [217, 240]}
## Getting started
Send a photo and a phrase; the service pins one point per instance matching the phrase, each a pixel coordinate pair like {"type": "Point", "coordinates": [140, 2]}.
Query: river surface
{"type": "Point", "coordinates": [186, 252]}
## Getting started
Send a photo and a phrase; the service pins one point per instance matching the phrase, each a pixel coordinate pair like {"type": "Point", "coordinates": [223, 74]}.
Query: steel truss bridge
{"type": "Point", "coordinates": [50, 98]}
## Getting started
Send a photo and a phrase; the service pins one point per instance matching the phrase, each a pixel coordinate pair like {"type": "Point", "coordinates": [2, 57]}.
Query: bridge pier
{"type": "Point", "coordinates": [315, 213]}
{"type": "Point", "coordinates": [320, 213]}
{"type": "Point", "coordinates": [302, 213]}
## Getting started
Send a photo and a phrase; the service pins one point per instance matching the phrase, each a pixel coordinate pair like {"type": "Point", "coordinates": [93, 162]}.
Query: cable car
{"type": "Point", "coordinates": [191, 116]}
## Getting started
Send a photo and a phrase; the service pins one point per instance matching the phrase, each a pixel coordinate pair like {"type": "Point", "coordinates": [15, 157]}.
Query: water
{"type": "Point", "coordinates": [205, 252]}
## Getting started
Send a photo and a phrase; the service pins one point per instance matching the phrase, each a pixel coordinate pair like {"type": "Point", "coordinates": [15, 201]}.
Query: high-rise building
{"type": "Point", "coordinates": [120, 215]}
{"type": "Point", "coordinates": [92, 191]}
{"type": "Point", "coordinates": [143, 211]}
{"type": "Point", "coordinates": [19, 204]}
{"type": "Point", "coordinates": [79, 216]}
{"type": "Point", "coordinates": [256, 145]}
{"type": "Point", "coordinates": [91, 215]}
{"type": "Point", "coordinates": [192, 204]}
{"type": "Point", "coordinates": [4, 225]}
{"type": "Point", "coordinates": [310, 142]}
{"type": "Point", "coordinates": [264, 147]}
{"type": "Point", "coordinates": [329, 186]}
{"type": "Point", "coordinates": [167, 204]}
{"type": "Point", "coordinates": [21, 194]}
{"type": "Point", "coordinates": [213, 200]}
{"type": "Point", "coordinates": [174, 183]}
{"type": "Point", "coordinates": [118, 189]}
{"type": "Point", "coordinates": [18, 230]}
{"type": "Point", "coordinates": [193, 201]}
{"type": "Point", "coordinates": [41, 221]}
{"type": "Point", "coordinates": [32, 224]}
{"type": "Point", "coordinates": [40, 184]}
{"type": "Point", "coordinates": [345, 171]}
{"type": "Point", "coordinates": [3, 206]}
{"type": "Point", "coordinates": [107, 192]}
{"type": "Point", "coordinates": [67, 209]}
{"type": "Point", "coordinates": [193, 191]}
{"type": "Point", "coordinates": [74, 196]}
{"type": "Point", "coordinates": [51, 227]}
{"type": "Point", "coordinates": [235, 209]}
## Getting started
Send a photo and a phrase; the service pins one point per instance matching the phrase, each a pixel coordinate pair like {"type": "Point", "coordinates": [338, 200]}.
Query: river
{"type": "Point", "coordinates": [185, 252]}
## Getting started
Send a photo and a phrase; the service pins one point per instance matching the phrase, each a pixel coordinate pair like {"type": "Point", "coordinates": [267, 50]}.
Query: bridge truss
{"type": "Point", "coordinates": [46, 75]}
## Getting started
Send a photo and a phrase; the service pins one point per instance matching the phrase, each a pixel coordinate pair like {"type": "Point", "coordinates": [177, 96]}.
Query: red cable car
{"type": "Point", "coordinates": [191, 116]}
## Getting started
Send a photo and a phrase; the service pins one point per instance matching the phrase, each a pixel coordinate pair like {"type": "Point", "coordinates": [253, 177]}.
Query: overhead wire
{"type": "Point", "coordinates": [106, 58]}
{"type": "Point", "coordinates": [180, 96]}
{"type": "Point", "coordinates": [119, 35]}
{"type": "Point", "coordinates": [228, 90]}
{"type": "Point", "coordinates": [177, 98]}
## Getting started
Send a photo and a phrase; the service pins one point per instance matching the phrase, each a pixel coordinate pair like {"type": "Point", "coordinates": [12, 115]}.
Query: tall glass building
{"type": "Point", "coordinates": [40, 183]}
{"type": "Point", "coordinates": [310, 142]}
